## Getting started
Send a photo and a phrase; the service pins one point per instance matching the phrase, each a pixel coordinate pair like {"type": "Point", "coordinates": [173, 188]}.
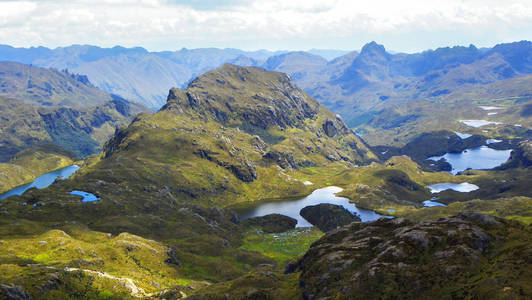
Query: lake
{"type": "Point", "coordinates": [430, 203]}
{"type": "Point", "coordinates": [478, 158]}
{"type": "Point", "coordinates": [87, 197]}
{"type": "Point", "coordinates": [479, 123]}
{"type": "Point", "coordinates": [42, 181]}
{"type": "Point", "coordinates": [463, 136]}
{"type": "Point", "coordinates": [292, 207]}
{"type": "Point", "coordinates": [463, 187]}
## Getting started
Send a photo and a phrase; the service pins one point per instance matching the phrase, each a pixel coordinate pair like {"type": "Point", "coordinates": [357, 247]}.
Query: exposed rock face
{"type": "Point", "coordinates": [239, 165]}
{"type": "Point", "coordinates": [398, 259]}
{"type": "Point", "coordinates": [284, 160]}
{"type": "Point", "coordinates": [327, 216]}
{"type": "Point", "coordinates": [273, 223]}
{"type": "Point", "coordinates": [520, 157]}
{"type": "Point", "coordinates": [13, 292]}
{"type": "Point", "coordinates": [275, 103]}
{"type": "Point", "coordinates": [329, 128]}
{"type": "Point", "coordinates": [172, 257]}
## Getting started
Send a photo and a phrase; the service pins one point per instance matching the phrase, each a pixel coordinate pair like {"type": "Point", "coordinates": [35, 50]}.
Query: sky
{"type": "Point", "coordinates": [402, 26]}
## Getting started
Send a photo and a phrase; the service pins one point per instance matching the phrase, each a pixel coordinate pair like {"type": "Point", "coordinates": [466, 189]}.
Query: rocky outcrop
{"type": "Point", "coordinates": [238, 164]}
{"type": "Point", "coordinates": [329, 128]}
{"type": "Point", "coordinates": [398, 259]}
{"type": "Point", "coordinates": [172, 257]}
{"type": "Point", "coordinates": [284, 160]}
{"type": "Point", "coordinates": [13, 292]}
{"type": "Point", "coordinates": [273, 223]}
{"type": "Point", "coordinates": [260, 98]}
{"type": "Point", "coordinates": [327, 216]}
{"type": "Point", "coordinates": [520, 157]}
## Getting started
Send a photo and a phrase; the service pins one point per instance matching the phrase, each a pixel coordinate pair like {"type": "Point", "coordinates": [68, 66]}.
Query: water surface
{"type": "Point", "coordinates": [492, 141]}
{"type": "Point", "coordinates": [42, 181]}
{"type": "Point", "coordinates": [463, 135]}
{"type": "Point", "coordinates": [430, 203]}
{"type": "Point", "coordinates": [490, 107]}
{"type": "Point", "coordinates": [463, 187]}
{"type": "Point", "coordinates": [478, 123]}
{"type": "Point", "coordinates": [292, 207]}
{"type": "Point", "coordinates": [478, 158]}
{"type": "Point", "coordinates": [87, 197]}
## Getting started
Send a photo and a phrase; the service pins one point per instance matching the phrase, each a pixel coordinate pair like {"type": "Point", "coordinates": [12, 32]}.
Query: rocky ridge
{"type": "Point", "coordinates": [469, 255]}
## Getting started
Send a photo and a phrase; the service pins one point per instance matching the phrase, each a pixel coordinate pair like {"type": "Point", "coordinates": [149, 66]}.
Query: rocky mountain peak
{"type": "Point", "coordinates": [233, 94]}
{"type": "Point", "coordinates": [373, 49]}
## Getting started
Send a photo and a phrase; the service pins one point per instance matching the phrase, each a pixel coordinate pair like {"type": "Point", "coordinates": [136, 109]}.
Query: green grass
{"type": "Point", "coordinates": [282, 247]}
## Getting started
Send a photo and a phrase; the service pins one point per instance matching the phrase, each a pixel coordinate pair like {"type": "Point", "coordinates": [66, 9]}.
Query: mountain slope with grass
{"type": "Point", "coordinates": [234, 134]}
{"type": "Point", "coordinates": [29, 164]}
{"type": "Point", "coordinates": [45, 106]}
{"type": "Point", "coordinates": [163, 225]}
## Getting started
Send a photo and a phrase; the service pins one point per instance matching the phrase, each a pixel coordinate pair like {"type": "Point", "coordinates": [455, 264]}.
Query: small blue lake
{"type": "Point", "coordinates": [87, 197]}
{"type": "Point", "coordinates": [464, 187]}
{"type": "Point", "coordinates": [432, 203]}
{"type": "Point", "coordinates": [463, 136]}
{"type": "Point", "coordinates": [42, 181]}
{"type": "Point", "coordinates": [480, 158]}
{"type": "Point", "coordinates": [292, 207]}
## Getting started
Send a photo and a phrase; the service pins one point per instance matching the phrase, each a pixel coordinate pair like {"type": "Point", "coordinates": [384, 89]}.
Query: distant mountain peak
{"type": "Point", "coordinates": [373, 47]}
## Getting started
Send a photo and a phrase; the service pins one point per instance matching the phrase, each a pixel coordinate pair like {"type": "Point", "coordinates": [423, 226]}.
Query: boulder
{"type": "Point", "coordinates": [328, 217]}
{"type": "Point", "coordinates": [273, 223]}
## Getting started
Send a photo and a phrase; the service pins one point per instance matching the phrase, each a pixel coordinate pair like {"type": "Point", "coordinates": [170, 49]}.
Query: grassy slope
{"type": "Point", "coordinates": [151, 173]}
{"type": "Point", "coordinates": [81, 130]}
{"type": "Point", "coordinates": [48, 87]}
{"type": "Point", "coordinates": [29, 164]}
{"type": "Point", "coordinates": [202, 159]}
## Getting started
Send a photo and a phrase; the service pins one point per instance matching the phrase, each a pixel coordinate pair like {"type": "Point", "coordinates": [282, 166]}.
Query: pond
{"type": "Point", "coordinates": [292, 207]}
{"type": "Point", "coordinates": [478, 123]}
{"type": "Point", "coordinates": [42, 181]}
{"type": "Point", "coordinates": [490, 107]}
{"type": "Point", "coordinates": [478, 158]}
{"type": "Point", "coordinates": [87, 197]}
{"type": "Point", "coordinates": [463, 136]}
{"type": "Point", "coordinates": [432, 203]}
{"type": "Point", "coordinates": [463, 187]}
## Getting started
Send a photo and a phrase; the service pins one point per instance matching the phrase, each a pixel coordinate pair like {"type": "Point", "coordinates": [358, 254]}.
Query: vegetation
{"type": "Point", "coordinates": [163, 225]}
{"type": "Point", "coordinates": [467, 256]}
{"type": "Point", "coordinates": [282, 247]}
{"type": "Point", "coordinates": [25, 166]}
{"type": "Point", "coordinates": [43, 106]}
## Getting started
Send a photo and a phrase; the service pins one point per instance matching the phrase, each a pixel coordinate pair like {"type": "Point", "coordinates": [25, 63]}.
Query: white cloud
{"type": "Point", "coordinates": [272, 24]}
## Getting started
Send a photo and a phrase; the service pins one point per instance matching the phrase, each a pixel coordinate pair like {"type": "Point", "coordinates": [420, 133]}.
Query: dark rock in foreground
{"type": "Point", "coordinates": [273, 223]}
{"type": "Point", "coordinates": [469, 256]}
{"type": "Point", "coordinates": [328, 216]}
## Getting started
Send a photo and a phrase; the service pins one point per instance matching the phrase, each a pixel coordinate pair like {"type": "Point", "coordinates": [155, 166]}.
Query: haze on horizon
{"type": "Point", "coordinates": [405, 26]}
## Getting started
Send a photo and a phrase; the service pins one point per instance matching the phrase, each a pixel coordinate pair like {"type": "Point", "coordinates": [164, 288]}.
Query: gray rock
{"type": "Point", "coordinates": [327, 217]}
{"type": "Point", "coordinates": [330, 128]}
{"type": "Point", "coordinates": [13, 292]}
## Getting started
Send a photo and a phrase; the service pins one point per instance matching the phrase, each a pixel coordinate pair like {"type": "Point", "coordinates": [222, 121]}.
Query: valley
{"type": "Point", "coordinates": [244, 186]}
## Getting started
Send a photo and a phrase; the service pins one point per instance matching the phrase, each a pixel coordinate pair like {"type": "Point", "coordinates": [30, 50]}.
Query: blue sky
{"type": "Point", "coordinates": [407, 25]}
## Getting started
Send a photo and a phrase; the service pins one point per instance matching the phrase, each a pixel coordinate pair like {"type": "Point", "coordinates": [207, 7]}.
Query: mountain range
{"type": "Point", "coordinates": [133, 73]}
{"type": "Point", "coordinates": [397, 96]}
{"type": "Point", "coordinates": [365, 87]}
{"type": "Point", "coordinates": [167, 189]}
